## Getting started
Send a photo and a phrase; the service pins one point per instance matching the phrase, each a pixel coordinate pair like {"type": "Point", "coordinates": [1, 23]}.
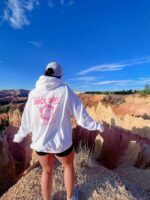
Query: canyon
{"type": "Point", "coordinates": [124, 147]}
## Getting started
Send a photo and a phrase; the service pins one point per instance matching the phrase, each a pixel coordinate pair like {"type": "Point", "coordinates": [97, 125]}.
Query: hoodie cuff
{"type": "Point", "coordinates": [100, 127]}
{"type": "Point", "coordinates": [17, 139]}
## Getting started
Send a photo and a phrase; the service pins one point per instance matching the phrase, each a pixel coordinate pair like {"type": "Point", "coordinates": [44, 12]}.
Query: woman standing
{"type": "Point", "coordinates": [47, 115]}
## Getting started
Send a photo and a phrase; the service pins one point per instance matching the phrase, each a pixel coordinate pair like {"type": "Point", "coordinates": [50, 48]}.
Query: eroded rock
{"type": "Point", "coordinates": [7, 166]}
{"type": "Point", "coordinates": [21, 152]}
{"type": "Point", "coordinates": [143, 158]}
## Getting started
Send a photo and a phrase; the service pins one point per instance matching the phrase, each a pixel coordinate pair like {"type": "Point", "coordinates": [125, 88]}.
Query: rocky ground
{"type": "Point", "coordinates": [94, 182]}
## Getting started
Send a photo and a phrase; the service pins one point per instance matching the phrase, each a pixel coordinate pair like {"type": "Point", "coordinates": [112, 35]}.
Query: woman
{"type": "Point", "coordinates": [47, 114]}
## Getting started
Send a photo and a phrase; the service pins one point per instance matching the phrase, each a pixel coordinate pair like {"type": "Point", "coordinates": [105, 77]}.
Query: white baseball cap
{"type": "Point", "coordinates": [58, 72]}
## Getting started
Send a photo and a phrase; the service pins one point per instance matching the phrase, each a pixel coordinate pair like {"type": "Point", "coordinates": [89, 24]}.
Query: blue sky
{"type": "Point", "coordinates": [101, 44]}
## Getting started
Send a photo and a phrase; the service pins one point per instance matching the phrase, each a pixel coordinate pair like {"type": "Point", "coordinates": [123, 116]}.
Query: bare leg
{"type": "Point", "coordinates": [47, 163]}
{"type": "Point", "coordinates": [69, 177]}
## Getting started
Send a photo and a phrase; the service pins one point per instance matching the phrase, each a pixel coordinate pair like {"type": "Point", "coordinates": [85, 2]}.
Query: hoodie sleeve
{"type": "Point", "coordinates": [82, 117]}
{"type": "Point", "coordinates": [25, 127]}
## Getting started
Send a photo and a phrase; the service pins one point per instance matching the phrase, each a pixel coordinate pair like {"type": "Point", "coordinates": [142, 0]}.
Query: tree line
{"type": "Point", "coordinates": [143, 92]}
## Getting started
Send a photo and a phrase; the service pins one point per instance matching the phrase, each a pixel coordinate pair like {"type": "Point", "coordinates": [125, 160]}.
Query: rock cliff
{"type": "Point", "coordinates": [21, 152]}
{"type": "Point", "coordinates": [7, 166]}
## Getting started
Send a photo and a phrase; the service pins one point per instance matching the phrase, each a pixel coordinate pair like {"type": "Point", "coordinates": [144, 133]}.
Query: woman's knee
{"type": "Point", "coordinates": [47, 163]}
{"type": "Point", "coordinates": [68, 165]}
{"type": "Point", "coordinates": [47, 170]}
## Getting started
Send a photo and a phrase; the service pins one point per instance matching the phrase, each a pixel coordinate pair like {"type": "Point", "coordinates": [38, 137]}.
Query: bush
{"type": "Point", "coordinates": [83, 156]}
{"type": "Point", "coordinates": [4, 108]}
{"type": "Point", "coordinates": [4, 124]}
{"type": "Point", "coordinates": [142, 93]}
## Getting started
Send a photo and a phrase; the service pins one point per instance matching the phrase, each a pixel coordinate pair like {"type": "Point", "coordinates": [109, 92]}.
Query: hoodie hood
{"type": "Point", "coordinates": [48, 83]}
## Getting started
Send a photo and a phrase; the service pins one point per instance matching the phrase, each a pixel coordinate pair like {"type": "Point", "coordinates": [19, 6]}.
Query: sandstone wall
{"type": "Point", "coordinates": [123, 130]}
{"type": "Point", "coordinates": [21, 152]}
{"type": "Point", "coordinates": [137, 125]}
{"type": "Point", "coordinates": [7, 166]}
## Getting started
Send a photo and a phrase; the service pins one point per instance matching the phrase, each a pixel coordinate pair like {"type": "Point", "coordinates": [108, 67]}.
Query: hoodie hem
{"type": "Point", "coordinates": [52, 150]}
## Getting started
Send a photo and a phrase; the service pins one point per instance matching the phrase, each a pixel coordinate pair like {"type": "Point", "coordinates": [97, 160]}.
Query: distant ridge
{"type": "Point", "coordinates": [13, 96]}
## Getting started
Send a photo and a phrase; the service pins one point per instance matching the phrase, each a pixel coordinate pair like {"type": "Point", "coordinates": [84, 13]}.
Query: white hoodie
{"type": "Point", "coordinates": [47, 114]}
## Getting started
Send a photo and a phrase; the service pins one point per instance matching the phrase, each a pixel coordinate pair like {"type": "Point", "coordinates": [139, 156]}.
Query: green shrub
{"type": "Point", "coordinates": [4, 108]}
{"type": "Point", "coordinates": [3, 125]}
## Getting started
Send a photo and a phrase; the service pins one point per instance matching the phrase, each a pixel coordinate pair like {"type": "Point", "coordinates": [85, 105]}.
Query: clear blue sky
{"type": "Point", "coordinates": [101, 44]}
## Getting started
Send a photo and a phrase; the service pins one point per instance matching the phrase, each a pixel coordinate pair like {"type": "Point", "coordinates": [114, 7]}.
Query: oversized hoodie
{"type": "Point", "coordinates": [47, 115]}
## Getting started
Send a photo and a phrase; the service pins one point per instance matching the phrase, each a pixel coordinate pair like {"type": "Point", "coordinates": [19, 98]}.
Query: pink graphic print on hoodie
{"type": "Point", "coordinates": [46, 107]}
